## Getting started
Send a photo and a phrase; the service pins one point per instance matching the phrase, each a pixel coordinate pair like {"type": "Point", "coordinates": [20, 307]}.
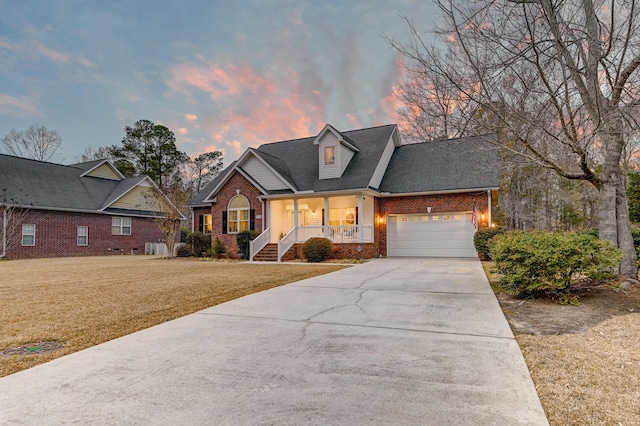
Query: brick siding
{"type": "Point", "coordinates": [236, 185]}
{"type": "Point", "coordinates": [57, 232]}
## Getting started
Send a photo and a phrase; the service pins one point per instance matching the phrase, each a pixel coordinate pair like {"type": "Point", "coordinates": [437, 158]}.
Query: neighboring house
{"type": "Point", "coordinates": [362, 189]}
{"type": "Point", "coordinates": [49, 210]}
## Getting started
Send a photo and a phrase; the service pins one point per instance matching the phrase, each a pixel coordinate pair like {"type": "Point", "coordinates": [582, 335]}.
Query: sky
{"type": "Point", "coordinates": [222, 75]}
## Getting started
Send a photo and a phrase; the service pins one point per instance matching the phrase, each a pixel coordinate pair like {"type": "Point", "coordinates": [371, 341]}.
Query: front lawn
{"type": "Point", "coordinates": [82, 302]}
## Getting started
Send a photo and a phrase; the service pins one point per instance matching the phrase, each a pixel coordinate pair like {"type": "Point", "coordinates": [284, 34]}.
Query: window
{"type": "Point", "coordinates": [83, 235]}
{"type": "Point", "coordinates": [121, 226]}
{"type": "Point", "coordinates": [342, 217]}
{"type": "Point", "coordinates": [207, 224]}
{"type": "Point", "coordinates": [329, 155]}
{"type": "Point", "coordinates": [238, 215]}
{"type": "Point", "coordinates": [28, 235]}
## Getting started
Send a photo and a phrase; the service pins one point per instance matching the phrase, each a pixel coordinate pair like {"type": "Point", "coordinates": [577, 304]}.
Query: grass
{"type": "Point", "coordinates": [592, 378]}
{"type": "Point", "coordinates": [82, 302]}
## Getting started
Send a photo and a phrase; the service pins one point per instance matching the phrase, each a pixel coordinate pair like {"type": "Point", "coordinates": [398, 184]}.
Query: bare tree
{"type": "Point", "coordinates": [12, 216]}
{"type": "Point", "coordinates": [37, 143]}
{"type": "Point", "coordinates": [169, 205]}
{"type": "Point", "coordinates": [562, 80]}
{"type": "Point", "coordinates": [90, 154]}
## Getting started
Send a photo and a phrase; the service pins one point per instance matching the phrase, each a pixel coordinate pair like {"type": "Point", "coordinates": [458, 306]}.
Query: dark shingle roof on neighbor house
{"type": "Point", "coordinates": [445, 165]}
{"type": "Point", "coordinates": [40, 184]}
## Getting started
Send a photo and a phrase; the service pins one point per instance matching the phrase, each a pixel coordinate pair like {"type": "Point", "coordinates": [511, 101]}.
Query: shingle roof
{"type": "Point", "coordinates": [300, 158]}
{"type": "Point", "coordinates": [34, 183]}
{"type": "Point", "coordinates": [447, 165]}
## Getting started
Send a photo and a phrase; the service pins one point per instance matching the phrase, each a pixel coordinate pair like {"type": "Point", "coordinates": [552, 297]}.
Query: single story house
{"type": "Point", "coordinates": [86, 209]}
{"type": "Point", "coordinates": [362, 189]}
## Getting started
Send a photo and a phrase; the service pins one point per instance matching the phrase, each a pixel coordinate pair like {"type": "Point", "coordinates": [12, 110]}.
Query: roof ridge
{"type": "Point", "coordinates": [37, 161]}
{"type": "Point", "coordinates": [452, 139]}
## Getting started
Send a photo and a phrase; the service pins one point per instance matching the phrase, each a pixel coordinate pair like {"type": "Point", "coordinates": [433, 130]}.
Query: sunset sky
{"type": "Point", "coordinates": [222, 75]}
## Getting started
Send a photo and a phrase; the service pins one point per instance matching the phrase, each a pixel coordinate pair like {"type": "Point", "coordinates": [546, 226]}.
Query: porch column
{"type": "Point", "coordinates": [295, 213]}
{"type": "Point", "coordinates": [360, 216]}
{"type": "Point", "coordinates": [326, 217]}
{"type": "Point", "coordinates": [489, 208]}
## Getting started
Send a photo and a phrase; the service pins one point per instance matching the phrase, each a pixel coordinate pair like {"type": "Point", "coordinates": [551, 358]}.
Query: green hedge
{"type": "Point", "coordinates": [540, 263]}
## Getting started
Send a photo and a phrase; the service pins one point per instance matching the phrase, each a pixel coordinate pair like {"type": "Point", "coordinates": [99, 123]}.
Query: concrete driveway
{"type": "Point", "coordinates": [398, 341]}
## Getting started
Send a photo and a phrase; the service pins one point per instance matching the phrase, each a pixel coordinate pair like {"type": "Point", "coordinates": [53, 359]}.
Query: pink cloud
{"type": "Point", "coordinates": [51, 54]}
{"type": "Point", "coordinates": [21, 106]}
{"type": "Point", "coordinates": [183, 131]}
{"type": "Point", "coordinates": [191, 117]}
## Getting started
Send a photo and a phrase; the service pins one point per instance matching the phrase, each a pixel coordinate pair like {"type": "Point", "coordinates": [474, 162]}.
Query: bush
{"type": "Point", "coordinates": [184, 251]}
{"type": "Point", "coordinates": [243, 239]}
{"type": "Point", "coordinates": [184, 233]}
{"type": "Point", "coordinates": [199, 243]}
{"type": "Point", "coordinates": [535, 264]}
{"type": "Point", "coordinates": [217, 250]}
{"type": "Point", "coordinates": [317, 249]}
{"type": "Point", "coordinates": [481, 240]}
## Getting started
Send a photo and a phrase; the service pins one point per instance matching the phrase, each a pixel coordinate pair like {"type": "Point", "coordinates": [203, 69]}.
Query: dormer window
{"type": "Point", "coordinates": [329, 155]}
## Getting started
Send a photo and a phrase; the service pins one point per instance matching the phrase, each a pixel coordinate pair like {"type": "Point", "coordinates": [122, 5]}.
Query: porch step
{"type": "Point", "coordinates": [268, 254]}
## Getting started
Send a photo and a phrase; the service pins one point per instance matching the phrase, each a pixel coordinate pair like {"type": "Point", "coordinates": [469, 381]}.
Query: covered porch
{"type": "Point", "coordinates": [341, 219]}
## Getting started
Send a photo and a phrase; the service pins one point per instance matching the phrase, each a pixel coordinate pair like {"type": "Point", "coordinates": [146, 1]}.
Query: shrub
{"type": "Point", "coordinates": [199, 243]}
{"type": "Point", "coordinates": [540, 263]}
{"type": "Point", "coordinates": [243, 239]}
{"type": "Point", "coordinates": [184, 251]}
{"type": "Point", "coordinates": [217, 250]}
{"type": "Point", "coordinates": [481, 240]}
{"type": "Point", "coordinates": [317, 249]}
{"type": "Point", "coordinates": [184, 233]}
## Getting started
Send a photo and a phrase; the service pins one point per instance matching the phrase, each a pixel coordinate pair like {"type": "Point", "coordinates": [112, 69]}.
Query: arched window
{"type": "Point", "coordinates": [238, 215]}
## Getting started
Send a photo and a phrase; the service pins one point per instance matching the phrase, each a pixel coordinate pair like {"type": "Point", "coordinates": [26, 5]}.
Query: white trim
{"type": "Point", "coordinates": [22, 235]}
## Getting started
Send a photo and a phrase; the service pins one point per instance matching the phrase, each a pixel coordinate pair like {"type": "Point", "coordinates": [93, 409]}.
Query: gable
{"type": "Point", "coordinates": [104, 171]}
{"type": "Point", "coordinates": [260, 172]}
{"type": "Point", "coordinates": [141, 197]}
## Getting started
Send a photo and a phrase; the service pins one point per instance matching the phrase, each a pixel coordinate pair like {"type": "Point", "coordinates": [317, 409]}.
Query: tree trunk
{"type": "Point", "coordinates": [629, 264]}
{"type": "Point", "coordinates": [614, 222]}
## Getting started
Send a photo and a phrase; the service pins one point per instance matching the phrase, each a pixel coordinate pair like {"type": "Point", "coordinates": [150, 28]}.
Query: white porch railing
{"type": "Point", "coordinates": [337, 234]}
{"type": "Point", "coordinates": [259, 243]}
{"type": "Point", "coordinates": [287, 242]}
{"type": "Point", "coordinates": [306, 232]}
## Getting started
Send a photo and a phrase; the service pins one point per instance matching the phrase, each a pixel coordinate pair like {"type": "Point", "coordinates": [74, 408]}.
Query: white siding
{"type": "Point", "coordinates": [277, 221]}
{"type": "Point", "coordinates": [261, 173]}
{"type": "Point", "coordinates": [346, 154]}
{"type": "Point", "coordinates": [378, 174]}
{"type": "Point", "coordinates": [139, 198]}
{"type": "Point", "coordinates": [367, 218]}
{"type": "Point", "coordinates": [105, 172]}
{"type": "Point", "coordinates": [330, 171]}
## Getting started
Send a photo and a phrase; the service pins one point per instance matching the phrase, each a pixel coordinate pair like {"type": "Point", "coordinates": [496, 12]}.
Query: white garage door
{"type": "Point", "coordinates": [431, 235]}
